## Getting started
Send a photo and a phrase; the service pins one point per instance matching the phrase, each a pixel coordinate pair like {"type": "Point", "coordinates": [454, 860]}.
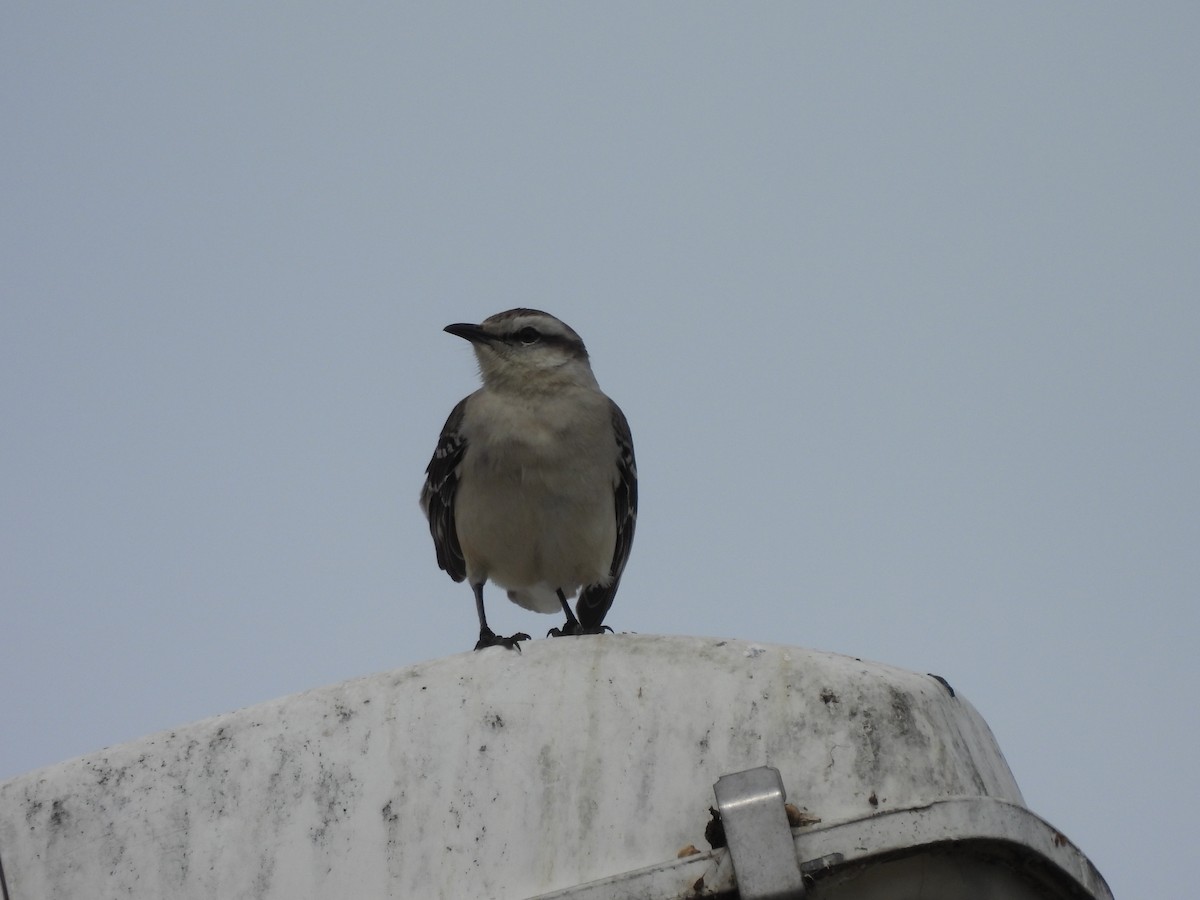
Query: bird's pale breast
{"type": "Point", "coordinates": [538, 525]}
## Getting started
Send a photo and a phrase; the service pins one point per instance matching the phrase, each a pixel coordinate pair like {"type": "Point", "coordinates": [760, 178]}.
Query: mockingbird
{"type": "Point", "coordinates": [533, 482]}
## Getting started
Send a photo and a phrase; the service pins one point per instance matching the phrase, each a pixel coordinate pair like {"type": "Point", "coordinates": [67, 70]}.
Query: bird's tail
{"type": "Point", "coordinates": [594, 603]}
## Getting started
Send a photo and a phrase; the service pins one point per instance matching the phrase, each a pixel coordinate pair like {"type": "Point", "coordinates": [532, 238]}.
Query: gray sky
{"type": "Point", "coordinates": [903, 306]}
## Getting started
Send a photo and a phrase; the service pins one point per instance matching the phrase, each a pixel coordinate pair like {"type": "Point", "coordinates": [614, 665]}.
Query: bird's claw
{"type": "Point", "coordinates": [570, 629]}
{"type": "Point", "coordinates": [489, 638]}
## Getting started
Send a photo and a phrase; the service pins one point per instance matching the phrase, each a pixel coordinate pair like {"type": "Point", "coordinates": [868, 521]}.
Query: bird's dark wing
{"type": "Point", "coordinates": [437, 497]}
{"type": "Point", "coordinates": [594, 602]}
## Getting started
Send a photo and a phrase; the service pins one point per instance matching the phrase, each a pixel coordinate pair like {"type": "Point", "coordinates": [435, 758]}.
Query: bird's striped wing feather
{"type": "Point", "coordinates": [437, 497]}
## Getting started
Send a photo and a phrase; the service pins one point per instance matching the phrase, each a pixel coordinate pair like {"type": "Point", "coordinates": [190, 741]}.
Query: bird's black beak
{"type": "Point", "coordinates": [472, 333]}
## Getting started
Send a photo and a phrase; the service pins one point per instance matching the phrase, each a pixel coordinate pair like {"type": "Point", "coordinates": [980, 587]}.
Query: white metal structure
{"type": "Point", "coordinates": [577, 769]}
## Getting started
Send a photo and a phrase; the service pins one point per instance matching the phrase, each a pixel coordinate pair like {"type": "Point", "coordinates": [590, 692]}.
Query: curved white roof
{"type": "Point", "coordinates": [492, 774]}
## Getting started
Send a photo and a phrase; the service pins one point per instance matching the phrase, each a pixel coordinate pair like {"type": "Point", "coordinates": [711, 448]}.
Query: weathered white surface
{"type": "Point", "coordinates": [491, 774]}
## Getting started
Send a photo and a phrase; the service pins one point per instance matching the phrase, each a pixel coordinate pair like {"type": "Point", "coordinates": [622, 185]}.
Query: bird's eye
{"type": "Point", "coordinates": [528, 335]}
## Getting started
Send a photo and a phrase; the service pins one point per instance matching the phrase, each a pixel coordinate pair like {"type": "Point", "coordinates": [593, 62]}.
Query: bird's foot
{"type": "Point", "coordinates": [489, 638]}
{"type": "Point", "coordinates": [573, 628]}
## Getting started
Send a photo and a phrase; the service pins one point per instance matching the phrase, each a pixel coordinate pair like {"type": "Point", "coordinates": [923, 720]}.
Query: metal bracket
{"type": "Point", "coordinates": [759, 839]}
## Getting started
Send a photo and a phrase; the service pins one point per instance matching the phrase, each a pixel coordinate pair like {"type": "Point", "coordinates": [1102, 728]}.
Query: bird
{"type": "Point", "coordinates": [533, 484]}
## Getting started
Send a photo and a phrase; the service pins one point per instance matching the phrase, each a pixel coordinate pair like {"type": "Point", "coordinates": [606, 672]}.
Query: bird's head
{"type": "Point", "coordinates": [524, 348]}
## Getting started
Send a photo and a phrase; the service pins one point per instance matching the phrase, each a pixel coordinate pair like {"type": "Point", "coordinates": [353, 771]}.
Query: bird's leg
{"type": "Point", "coordinates": [487, 637]}
{"type": "Point", "coordinates": [571, 626]}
